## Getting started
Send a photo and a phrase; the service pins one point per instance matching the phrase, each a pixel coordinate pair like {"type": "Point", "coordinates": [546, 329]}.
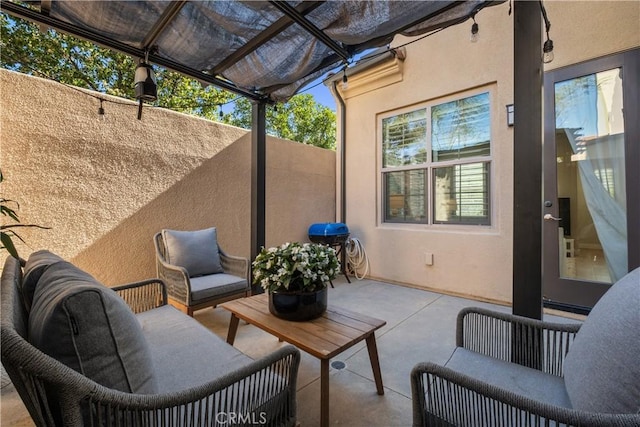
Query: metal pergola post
{"type": "Point", "coordinates": [258, 180]}
{"type": "Point", "coordinates": [527, 162]}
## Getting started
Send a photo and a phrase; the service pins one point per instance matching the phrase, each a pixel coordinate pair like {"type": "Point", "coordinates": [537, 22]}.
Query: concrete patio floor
{"type": "Point", "coordinates": [420, 327]}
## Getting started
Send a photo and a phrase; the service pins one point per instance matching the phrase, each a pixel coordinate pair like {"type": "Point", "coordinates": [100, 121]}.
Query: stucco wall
{"type": "Point", "coordinates": [468, 260]}
{"type": "Point", "coordinates": [106, 184]}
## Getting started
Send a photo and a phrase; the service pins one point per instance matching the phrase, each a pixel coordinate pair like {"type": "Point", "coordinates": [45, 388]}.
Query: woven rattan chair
{"type": "Point", "coordinates": [262, 392]}
{"type": "Point", "coordinates": [198, 273]}
{"type": "Point", "coordinates": [513, 371]}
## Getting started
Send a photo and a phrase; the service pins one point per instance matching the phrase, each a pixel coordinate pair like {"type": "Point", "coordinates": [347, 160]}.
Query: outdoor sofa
{"type": "Point", "coordinates": [513, 371]}
{"type": "Point", "coordinates": [80, 353]}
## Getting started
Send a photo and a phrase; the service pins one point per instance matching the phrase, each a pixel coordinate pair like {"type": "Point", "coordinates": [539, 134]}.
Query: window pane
{"type": "Point", "coordinates": [405, 196]}
{"type": "Point", "coordinates": [461, 128]}
{"type": "Point", "coordinates": [404, 139]}
{"type": "Point", "coordinates": [461, 194]}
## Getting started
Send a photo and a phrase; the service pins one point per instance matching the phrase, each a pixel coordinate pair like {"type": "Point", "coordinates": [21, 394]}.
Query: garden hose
{"type": "Point", "coordinates": [357, 259]}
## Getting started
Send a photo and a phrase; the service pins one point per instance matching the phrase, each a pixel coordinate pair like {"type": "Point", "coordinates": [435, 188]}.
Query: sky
{"type": "Point", "coordinates": [321, 94]}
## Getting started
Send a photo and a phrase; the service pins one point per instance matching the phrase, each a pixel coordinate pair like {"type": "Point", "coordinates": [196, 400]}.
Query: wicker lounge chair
{"type": "Point", "coordinates": [192, 377]}
{"type": "Point", "coordinates": [198, 273]}
{"type": "Point", "coordinates": [567, 374]}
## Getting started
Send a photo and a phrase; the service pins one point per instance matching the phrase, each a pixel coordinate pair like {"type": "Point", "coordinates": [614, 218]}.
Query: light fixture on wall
{"type": "Point", "coordinates": [345, 80]}
{"type": "Point", "coordinates": [510, 115]}
{"type": "Point", "coordinates": [547, 48]}
{"type": "Point", "coordinates": [145, 83]}
{"type": "Point", "coordinates": [474, 30]}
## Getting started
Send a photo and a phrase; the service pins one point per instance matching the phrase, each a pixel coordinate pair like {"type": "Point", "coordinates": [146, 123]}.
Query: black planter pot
{"type": "Point", "coordinates": [298, 306]}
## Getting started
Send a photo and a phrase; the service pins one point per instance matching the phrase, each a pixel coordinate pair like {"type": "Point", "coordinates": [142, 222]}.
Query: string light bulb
{"type": "Point", "coordinates": [547, 51]}
{"type": "Point", "coordinates": [547, 48]}
{"type": "Point", "coordinates": [101, 109]}
{"type": "Point", "coordinates": [345, 80]}
{"type": "Point", "coordinates": [474, 30]}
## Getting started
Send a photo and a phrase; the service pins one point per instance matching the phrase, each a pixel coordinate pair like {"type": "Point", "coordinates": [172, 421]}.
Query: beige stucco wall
{"type": "Point", "coordinates": [106, 184]}
{"type": "Point", "coordinates": [468, 260]}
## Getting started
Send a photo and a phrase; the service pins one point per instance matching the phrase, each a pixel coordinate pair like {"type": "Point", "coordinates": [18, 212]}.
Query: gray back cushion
{"type": "Point", "coordinates": [197, 251]}
{"type": "Point", "coordinates": [33, 269]}
{"type": "Point", "coordinates": [89, 328]}
{"type": "Point", "coordinates": [602, 368]}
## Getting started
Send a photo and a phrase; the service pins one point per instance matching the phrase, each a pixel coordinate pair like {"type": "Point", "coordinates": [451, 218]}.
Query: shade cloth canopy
{"type": "Point", "coordinates": [264, 50]}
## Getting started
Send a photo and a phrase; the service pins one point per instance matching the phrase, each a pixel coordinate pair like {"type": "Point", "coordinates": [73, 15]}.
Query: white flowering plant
{"type": "Point", "coordinates": [295, 267]}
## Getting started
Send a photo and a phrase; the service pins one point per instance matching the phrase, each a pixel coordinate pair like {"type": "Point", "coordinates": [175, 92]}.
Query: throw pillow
{"type": "Point", "coordinates": [601, 370]}
{"type": "Point", "coordinates": [88, 327]}
{"type": "Point", "coordinates": [197, 251]}
{"type": "Point", "coordinates": [33, 269]}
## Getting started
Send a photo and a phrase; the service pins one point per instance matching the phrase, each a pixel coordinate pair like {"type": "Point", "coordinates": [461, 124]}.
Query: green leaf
{"type": "Point", "coordinates": [7, 244]}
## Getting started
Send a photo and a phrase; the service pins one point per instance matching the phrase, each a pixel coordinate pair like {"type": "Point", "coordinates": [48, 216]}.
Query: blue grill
{"type": "Point", "coordinates": [328, 233]}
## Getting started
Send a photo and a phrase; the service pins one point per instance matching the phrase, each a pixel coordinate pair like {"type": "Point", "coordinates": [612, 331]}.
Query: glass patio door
{"type": "Point", "coordinates": [586, 220]}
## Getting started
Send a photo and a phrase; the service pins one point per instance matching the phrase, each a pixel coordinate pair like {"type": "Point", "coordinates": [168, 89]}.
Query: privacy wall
{"type": "Point", "coordinates": [104, 184]}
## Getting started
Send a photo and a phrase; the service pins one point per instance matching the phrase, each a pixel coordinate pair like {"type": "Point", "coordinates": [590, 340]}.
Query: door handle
{"type": "Point", "coordinates": [550, 217]}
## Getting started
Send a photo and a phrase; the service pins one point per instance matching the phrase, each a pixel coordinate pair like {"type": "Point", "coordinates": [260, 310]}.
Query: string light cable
{"type": "Point", "coordinates": [357, 259]}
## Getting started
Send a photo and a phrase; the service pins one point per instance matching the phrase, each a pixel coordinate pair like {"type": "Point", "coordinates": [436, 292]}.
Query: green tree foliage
{"type": "Point", "coordinates": [56, 56]}
{"type": "Point", "coordinates": [300, 119]}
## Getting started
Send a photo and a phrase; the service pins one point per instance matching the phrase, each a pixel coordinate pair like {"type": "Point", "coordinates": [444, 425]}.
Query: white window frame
{"type": "Point", "coordinates": [429, 165]}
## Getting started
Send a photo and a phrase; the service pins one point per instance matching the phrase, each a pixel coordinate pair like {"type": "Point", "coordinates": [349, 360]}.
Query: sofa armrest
{"type": "Point", "coordinates": [444, 397]}
{"type": "Point", "coordinates": [144, 295]}
{"type": "Point", "coordinates": [529, 342]}
{"type": "Point", "coordinates": [235, 265]}
{"type": "Point", "coordinates": [261, 393]}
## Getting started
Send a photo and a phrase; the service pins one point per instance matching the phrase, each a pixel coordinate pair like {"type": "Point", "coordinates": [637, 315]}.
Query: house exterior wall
{"type": "Point", "coordinates": [473, 261]}
{"type": "Point", "coordinates": [106, 184]}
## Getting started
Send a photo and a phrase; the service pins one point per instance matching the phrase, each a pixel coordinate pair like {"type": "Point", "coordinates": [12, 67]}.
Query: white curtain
{"type": "Point", "coordinates": [601, 166]}
{"type": "Point", "coordinates": [589, 109]}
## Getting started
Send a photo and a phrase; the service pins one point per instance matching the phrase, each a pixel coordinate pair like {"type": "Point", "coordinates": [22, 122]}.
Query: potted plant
{"type": "Point", "coordinates": [296, 276]}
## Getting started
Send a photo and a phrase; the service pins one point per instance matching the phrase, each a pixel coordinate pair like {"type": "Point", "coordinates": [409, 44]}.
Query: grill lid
{"type": "Point", "coordinates": [328, 229]}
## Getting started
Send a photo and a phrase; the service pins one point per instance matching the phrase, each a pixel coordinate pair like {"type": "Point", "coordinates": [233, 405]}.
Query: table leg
{"type": "Point", "coordinates": [324, 392]}
{"type": "Point", "coordinates": [233, 328]}
{"type": "Point", "coordinates": [375, 363]}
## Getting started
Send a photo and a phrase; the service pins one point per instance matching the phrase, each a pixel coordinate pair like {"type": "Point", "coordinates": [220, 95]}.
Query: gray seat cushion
{"type": "Point", "coordinates": [512, 377]}
{"type": "Point", "coordinates": [89, 328]}
{"type": "Point", "coordinates": [36, 265]}
{"type": "Point", "coordinates": [602, 369]}
{"type": "Point", "coordinates": [216, 285]}
{"type": "Point", "coordinates": [185, 353]}
{"type": "Point", "coordinates": [197, 251]}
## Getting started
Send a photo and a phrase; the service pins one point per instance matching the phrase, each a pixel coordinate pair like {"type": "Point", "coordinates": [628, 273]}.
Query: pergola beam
{"type": "Point", "coordinates": [167, 16]}
{"type": "Point", "coordinates": [276, 28]}
{"type": "Point", "coordinates": [291, 12]}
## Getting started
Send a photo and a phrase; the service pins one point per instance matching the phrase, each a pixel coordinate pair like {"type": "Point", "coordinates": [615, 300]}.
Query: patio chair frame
{"type": "Point", "coordinates": [179, 284]}
{"type": "Point", "coordinates": [444, 397]}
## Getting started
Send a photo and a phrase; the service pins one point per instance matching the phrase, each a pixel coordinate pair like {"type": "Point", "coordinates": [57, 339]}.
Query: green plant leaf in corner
{"type": "Point", "coordinates": [8, 245]}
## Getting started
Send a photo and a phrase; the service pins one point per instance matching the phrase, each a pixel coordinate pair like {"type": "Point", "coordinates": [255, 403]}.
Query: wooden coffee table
{"type": "Point", "coordinates": [324, 337]}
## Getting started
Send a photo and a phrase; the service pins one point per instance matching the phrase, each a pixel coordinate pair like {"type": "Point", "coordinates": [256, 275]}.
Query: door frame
{"type": "Point", "coordinates": [563, 290]}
